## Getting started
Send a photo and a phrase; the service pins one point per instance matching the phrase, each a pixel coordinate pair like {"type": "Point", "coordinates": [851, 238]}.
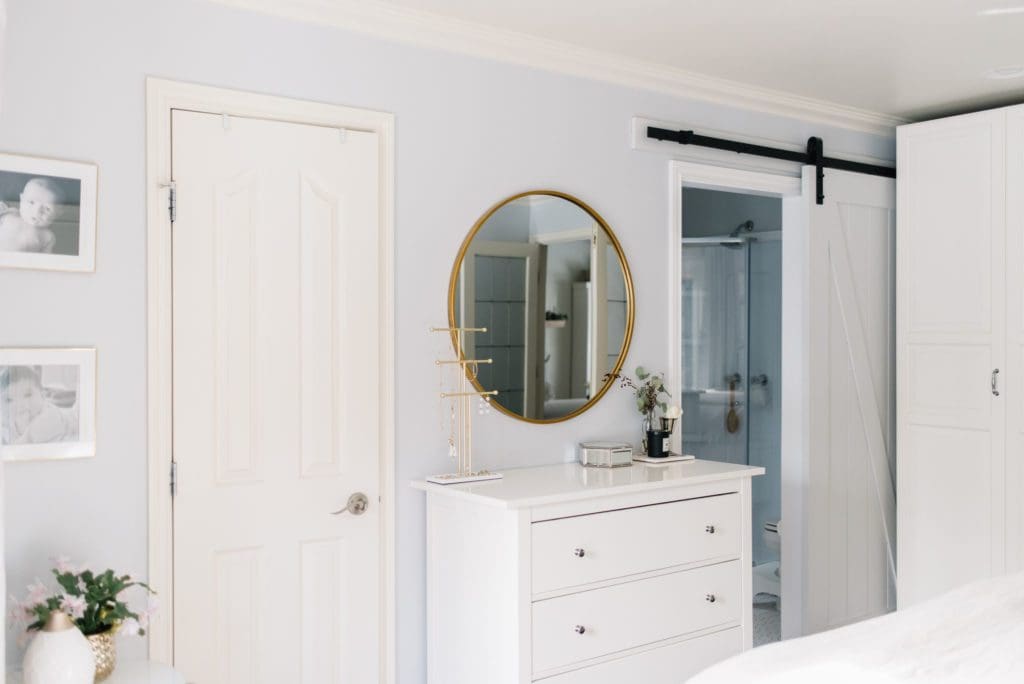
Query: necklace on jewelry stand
{"type": "Point", "coordinates": [460, 424]}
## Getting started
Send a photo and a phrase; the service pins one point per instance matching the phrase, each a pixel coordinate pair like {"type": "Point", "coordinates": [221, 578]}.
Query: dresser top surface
{"type": "Point", "coordinates": [525, 487]}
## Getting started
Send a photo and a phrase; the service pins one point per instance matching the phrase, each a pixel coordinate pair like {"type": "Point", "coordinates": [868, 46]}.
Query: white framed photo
{"type": "Point", "coordinates": [47, 404]}
{"type": "Point", "coordinates": [47, 214]}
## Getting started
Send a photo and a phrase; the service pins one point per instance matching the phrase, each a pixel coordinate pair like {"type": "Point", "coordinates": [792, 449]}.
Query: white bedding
{"type": "Point", "coordinates": [974, 634]}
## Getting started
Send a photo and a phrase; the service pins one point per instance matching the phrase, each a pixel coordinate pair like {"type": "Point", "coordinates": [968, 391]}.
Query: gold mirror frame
{"type": "Point", "coordinates": [627, 277]}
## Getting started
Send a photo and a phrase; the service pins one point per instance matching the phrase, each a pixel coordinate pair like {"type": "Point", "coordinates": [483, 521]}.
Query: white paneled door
{"type": "Point", "coordinates": [952, 342]}
{"type": "Point", "coordinates": [850, 512]}
{"type": "Point", "coordinates": [276, 368]}
{"type": "Point", "coordinates": [1015, 338]}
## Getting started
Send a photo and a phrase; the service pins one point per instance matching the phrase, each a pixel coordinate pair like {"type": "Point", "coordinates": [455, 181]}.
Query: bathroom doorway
{"type": "Point", "coordinates": [731, 286]}
{"type": "Point", "coordinates": [834, 394]}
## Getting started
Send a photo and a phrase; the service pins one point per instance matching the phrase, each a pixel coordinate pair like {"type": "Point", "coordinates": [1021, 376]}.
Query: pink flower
{"type": "Point", "coordinates": [37, 593]}
{"type": "Point", "coordinates": [16, 609]}
{"type": "Point", "coordinates": [63, 564]}
{"type": "Point", "coordinates": [73, 605]}
{"type": "Point", "coordinates": [145, 616]}
{"type": "Point", "coordinates": [21, 613]}
{"type": "Point", "coordinates": [130, 627]}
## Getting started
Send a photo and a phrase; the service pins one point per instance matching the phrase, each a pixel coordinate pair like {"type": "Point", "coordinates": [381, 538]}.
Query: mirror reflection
{"type": "Point", "coordinates": [547, 278]}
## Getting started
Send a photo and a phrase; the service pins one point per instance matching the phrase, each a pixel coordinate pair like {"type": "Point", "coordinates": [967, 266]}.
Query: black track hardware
{"type": "Point", "coordinates": [814, 156]}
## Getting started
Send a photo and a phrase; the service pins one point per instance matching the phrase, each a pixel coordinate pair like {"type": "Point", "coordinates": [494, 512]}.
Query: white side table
{"type": "Point", "coordinates": [130, 672]}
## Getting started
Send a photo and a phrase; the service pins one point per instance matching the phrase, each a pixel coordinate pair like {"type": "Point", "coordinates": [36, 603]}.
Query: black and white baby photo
{"type": "Point", "coordinates": [39, 404]}
{"type": "Point", "coordinates": [39, 213]}
{"type": "Point", "coordinates": [47, 213]}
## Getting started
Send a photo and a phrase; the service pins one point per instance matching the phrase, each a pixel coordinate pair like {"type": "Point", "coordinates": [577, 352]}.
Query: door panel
{"type": "Point", "coordinates": [950, 337]}
{"type": "Point", "coordinates": [275, 371]}
{"type": "Point", "coordinates": [1014, 381]}
{"type": "Point", "coordinates": [851, 515]}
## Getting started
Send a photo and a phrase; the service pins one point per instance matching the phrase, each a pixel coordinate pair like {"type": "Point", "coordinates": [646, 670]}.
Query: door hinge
{"type": "Point", "coordinates": [174, 478]}
{"type": "Point", "coordinates": [172, 201]}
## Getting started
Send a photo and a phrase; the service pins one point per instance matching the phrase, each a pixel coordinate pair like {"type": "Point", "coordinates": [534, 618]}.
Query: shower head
{"type": "Point", "coordinates": [745, 227]}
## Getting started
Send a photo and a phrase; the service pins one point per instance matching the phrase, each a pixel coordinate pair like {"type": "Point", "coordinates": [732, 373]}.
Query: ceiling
{"type": "Point", "coordinates": [865, 64]}
{"type": "Point", "coordinates": [906, 58]}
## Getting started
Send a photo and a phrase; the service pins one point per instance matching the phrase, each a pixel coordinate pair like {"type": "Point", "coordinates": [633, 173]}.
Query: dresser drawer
{"type": "Point", "coordinates": [572, 628]}
{"type": "Point", "coordinates": [590, 548]}
{"type": "Point", "coordinates": [672, 664]}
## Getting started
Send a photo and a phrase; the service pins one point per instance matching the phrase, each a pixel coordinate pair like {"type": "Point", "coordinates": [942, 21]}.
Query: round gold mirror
{"type": "Point", "coordinates": [546, 277]}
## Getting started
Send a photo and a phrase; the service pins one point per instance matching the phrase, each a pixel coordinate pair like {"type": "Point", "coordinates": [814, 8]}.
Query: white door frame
{"type": "Point", "coordinates": [794, 391]}
{"type": "Point", "coordinates": [162, 96]}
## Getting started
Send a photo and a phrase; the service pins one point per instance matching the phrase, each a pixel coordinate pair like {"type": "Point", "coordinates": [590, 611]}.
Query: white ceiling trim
{"type": "Point", "coordinates": [456, 35]}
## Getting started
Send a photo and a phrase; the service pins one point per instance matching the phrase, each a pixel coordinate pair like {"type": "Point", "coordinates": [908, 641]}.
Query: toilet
{"type": "Point", "coordinates": [766, 575]}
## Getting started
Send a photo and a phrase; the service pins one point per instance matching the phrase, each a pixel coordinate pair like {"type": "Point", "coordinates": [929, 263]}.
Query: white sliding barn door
{"type": "Point", "coordinates": [951, 339]}
{"type": "Point", "coordinates": [276, 370]}
{"type": "Point", "coordinates": [850, 502]}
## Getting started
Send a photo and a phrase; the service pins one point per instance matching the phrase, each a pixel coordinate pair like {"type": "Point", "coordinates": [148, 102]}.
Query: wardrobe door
{"type": "Point", "coordinates": [1015, 338]}
{"type": "Point", "coordinates": [950, 353]}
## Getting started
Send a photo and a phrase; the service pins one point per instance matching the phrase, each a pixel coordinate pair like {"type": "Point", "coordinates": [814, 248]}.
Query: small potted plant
{"type": "Point", "coordinates": [94, 601]}
{"type": "Point", "coordinates": [648, 388]}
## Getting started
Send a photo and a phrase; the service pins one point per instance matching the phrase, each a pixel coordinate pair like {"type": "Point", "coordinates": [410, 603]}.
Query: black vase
{"type": "Point", "coordinates": [657, 443]}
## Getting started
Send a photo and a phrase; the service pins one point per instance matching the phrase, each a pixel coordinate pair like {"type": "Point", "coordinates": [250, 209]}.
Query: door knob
{"type": "Point", "coordinates": [357, 505]}
{"type": "Point", "coordinates": [579, 553]}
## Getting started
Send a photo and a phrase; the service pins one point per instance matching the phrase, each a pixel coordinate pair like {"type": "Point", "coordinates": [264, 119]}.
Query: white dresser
{"type": "Point", "coordinates": [573, 575]}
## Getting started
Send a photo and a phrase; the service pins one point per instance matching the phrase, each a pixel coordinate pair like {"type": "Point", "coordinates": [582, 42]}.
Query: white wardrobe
{"type": "Point", "coordinates": [960, 351]}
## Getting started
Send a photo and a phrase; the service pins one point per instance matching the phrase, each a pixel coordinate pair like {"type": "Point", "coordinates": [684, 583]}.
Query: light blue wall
{"type": "Point", "coordinates": [469, 131]}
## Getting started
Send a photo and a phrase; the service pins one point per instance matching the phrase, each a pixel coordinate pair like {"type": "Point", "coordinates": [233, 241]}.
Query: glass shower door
{"type": "Point", "coordinates": [714, 353]}
{"type": "Point", "coordinates": [764, 408]}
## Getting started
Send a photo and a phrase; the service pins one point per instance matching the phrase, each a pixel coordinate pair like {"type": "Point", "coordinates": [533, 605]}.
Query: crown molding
{"type": "Point", "coordinates": [456, 35]}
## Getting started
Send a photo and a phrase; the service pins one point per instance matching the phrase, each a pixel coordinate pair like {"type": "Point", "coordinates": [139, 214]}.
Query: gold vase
{"type": "Point", "coordinates": [104, 650]}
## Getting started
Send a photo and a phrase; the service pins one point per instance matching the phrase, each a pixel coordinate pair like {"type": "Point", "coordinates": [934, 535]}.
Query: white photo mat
{"type": "Point", "coordinates": [84, 218]}
{"type": "Point", "coordinates": [84, 443]}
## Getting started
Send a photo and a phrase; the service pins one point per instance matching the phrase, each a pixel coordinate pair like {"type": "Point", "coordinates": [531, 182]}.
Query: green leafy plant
{"type": "Point", "coordinates": [648, 388]}
{"type": "Point", "coordinates": [94, 601]}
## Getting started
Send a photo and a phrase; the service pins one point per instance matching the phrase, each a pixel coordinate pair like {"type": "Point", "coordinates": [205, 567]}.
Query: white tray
{"type": "Point", "coordinates": [457, 479]}
{"type": "Point", "coordinates": [671, 458]}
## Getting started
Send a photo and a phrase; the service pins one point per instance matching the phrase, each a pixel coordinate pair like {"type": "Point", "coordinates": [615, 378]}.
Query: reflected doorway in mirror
{"type": "Point", "coordinates": [547, 278]}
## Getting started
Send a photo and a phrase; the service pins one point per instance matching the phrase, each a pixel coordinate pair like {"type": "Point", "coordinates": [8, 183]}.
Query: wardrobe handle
{"type": "Point", "coordinates": [995, 382]}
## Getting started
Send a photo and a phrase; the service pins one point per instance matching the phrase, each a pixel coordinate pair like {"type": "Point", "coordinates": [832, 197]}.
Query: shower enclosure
{"type": "Point", "coordinates": [731, 360]}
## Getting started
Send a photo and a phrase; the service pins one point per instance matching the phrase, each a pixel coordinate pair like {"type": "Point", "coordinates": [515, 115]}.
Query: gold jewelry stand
{"type": "Point", "coordinates": [461, 404]}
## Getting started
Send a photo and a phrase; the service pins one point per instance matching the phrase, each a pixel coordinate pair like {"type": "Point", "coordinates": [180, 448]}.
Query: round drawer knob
{"type": "Point", "coordinates": [579, 553]}
{"type": "Point", "coordinates": [710, 529]}
{"type": "Point", "coordinates": [710, 598]}
{"type": "Point", "coordinates": [579, 629]}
